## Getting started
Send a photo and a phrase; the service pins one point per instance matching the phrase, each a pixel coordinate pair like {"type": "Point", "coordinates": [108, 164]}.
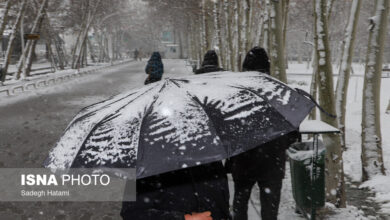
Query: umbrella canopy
{"type": "Point", "coordinates": [180, 122]}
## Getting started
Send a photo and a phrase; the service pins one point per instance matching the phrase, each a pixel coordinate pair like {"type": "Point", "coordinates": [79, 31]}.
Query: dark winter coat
{"type": "Point", "coordinates": [172, 195]}
{"type": "Point", "coordinates": [210, 63]}
{"type": "Point", "coordinates": [257, 60]}
{"type": "Point", "coordinates": [265, 162]}
{"type": "Point", "coordinates": [155, 67]}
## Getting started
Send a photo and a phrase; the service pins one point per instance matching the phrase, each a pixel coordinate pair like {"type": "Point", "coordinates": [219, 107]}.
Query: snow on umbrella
{"type": "Point", "coordinates": [180, 122]}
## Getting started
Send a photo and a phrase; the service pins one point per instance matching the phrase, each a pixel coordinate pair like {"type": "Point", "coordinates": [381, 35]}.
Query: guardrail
{"type": "Point", "coordinates": [49, 80]}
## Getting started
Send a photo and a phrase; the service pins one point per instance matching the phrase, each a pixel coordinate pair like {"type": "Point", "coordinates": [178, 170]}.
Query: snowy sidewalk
{"type": "Point", "coordinates": [15, 87]}
{"type": "Point", "coordinates": [287, 204]}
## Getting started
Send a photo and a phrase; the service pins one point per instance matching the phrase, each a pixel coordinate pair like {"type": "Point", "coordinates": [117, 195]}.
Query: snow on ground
{"type": "Point", "coordinates": [357, 69]}
{"type": "Point", "coordinates": [352, 163]}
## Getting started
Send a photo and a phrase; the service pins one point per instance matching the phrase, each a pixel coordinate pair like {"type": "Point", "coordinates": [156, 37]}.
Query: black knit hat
{"type": "Point", "coordinates": [257, 60]}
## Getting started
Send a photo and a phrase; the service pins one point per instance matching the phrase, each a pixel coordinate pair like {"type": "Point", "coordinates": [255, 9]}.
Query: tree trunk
{"type": "Point", "coordinates": [238, 35]}
{"type": "Point", "coordinates": [83, 36]}
{"type": "Point", "coordinates": [314, 85]}
{"type": "Point", "coordinates": [286, 6]}
{"type": "Point", "coordinates": [329, 8]}
{"type": "Point", "coordinates": [50, 53]}
{"type": "Point", "coordinates": [202, 35]}
{"type": "Point", "coordinates": [278, 64]}
{"type": "Point", "coordinates": [217, 33]}
{"type": "Point", "coordinates": [35, 29]}
{"type": "Point", "coordinates": [372, 156]}
{"type": "Point", "coordinates": [245, 27]}
{"type": "Point", "coordinates": [91, 51]}
{"type": "Point", "coordinates": [4, 19]}
{"type": "Point", "coordinates": [334, 165]}
{"type": "Point", "coordinates": [229, 39]}
{"type": "Point", "coordinates": [199, 41]}
{"type": "Point", "coordinates": [57, 45]}
{"type": "Point", "coordinates": [267, 35]}
{"type": "Point", "coordinates": [205, 27]}
{"type": "Point", "coordinates": [12, 39]}
{"type": "Point", "coordinates": [30, 59]}
{"type": "Point", "coordinates": [260, 30]}
{"type": "Point", "coordinates": [251, 30]}
{"type": "Point", "coordinates": [345, 68]}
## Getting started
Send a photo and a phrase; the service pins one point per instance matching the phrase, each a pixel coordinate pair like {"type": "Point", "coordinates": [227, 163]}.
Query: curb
{"type": "Point", "coordinates": [21, 87]}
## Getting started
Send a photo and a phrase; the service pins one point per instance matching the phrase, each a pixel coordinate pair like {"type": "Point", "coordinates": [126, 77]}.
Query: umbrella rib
{"type": "Point", "coordinates": [140, 152]}
{"type": "Point", "coordinates": [104, 118]}
{"type": "Point", "coordinates": [94, 111]}
{"type": "Point", "coordinates": [265, 98]}
{"type": "Point", "coordinates": [197, 101]}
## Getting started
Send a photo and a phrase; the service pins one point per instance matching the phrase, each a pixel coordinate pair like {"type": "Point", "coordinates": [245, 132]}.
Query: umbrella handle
{"type": "Point", "coordinates": [306, 94]}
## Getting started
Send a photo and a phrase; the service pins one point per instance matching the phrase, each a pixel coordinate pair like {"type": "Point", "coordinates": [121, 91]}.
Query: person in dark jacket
{"type": "Point", "coordinates": [264, 165]}
{"type": "Point", "coordinates": [210, 63]}
{"type": "Point", "coordinates": [154, 68]}
{"type": "Point", "coordinates": [197, 193]}
{"type": "Point", "coordinates": [136, 54]}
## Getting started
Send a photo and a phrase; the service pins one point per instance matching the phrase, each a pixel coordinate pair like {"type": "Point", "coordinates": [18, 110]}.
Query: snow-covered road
{"type": "Point", "coordinates": [33, 122]}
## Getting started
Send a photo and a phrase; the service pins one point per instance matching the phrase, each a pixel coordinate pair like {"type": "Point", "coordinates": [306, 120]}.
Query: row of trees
{"type": "Point", "coordinates": [98, 29]}
{"type": "Point", "coordinates": [232, 27]}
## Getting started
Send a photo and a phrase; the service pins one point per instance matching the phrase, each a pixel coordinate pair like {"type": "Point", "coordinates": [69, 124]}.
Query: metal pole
{"type": "Point", "coordinates": [313, 177]}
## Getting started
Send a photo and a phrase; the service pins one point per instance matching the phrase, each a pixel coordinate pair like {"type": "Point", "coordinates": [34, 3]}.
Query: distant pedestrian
{"type": "Point", "coordinates": [197, 193]}
{"type": "Point", "coordinates": [264, 165]}
{"type": "Point", "coordinates": [140, 54]}
{"type": "Point", "coordinates": [154, 68]}
{"type": "Point", "coordinates": [136, 54]}
{"type": "Point", "coordinates": [210, 63]}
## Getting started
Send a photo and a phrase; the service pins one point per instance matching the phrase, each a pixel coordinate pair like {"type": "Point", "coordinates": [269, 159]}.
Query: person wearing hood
{"type": "Point", "coordinates": [196, 193]}
{"type": "Point", "coordinates": [264, 165]}
{"type": "Point", "coordinates": [210, 63]}
{"type": "Point", "coordinates": [154, 69]}
{"type": "Point", "coordinates": [257, 60]}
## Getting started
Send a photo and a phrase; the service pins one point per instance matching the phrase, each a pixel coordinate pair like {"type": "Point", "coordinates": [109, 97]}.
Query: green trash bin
{"type": "Point", "coordinates": [307, 176]}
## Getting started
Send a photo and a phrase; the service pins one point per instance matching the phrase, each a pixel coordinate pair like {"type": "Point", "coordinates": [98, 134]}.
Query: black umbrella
{"type": "Point", "coordinates": [181, 122]}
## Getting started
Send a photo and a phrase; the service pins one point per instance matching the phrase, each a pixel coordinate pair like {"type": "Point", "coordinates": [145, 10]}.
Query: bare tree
{"type": "Point", "coordinates": [372, 156]}
{"type": "Point", "coordinates": [266, 35]}
{"type": "Point", "coordinates": [205, 36]}
{"type": "Point", "coordinates": [217, 32]}
{"type": "Point", "coordinates": [278, 65]}
{"type": "Point", "coordinates": [4, 19]}
{"type": "Point", "coordinates": [13, 38]}
{"type": "Point", "coordinates": [334, 167]}
{"type": "Point", "coordinates": [345, 67]}
{"type": "Point", "coordinates": [237, 31]}
{"type": "Point", "coordinates": [30, 46]}
{"type": "Point", "coordinates": [228, 35]}
{"type": "Point", "coordinates": [246, 26]}
{"type": "Point", "coordinates": [81, 43]}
